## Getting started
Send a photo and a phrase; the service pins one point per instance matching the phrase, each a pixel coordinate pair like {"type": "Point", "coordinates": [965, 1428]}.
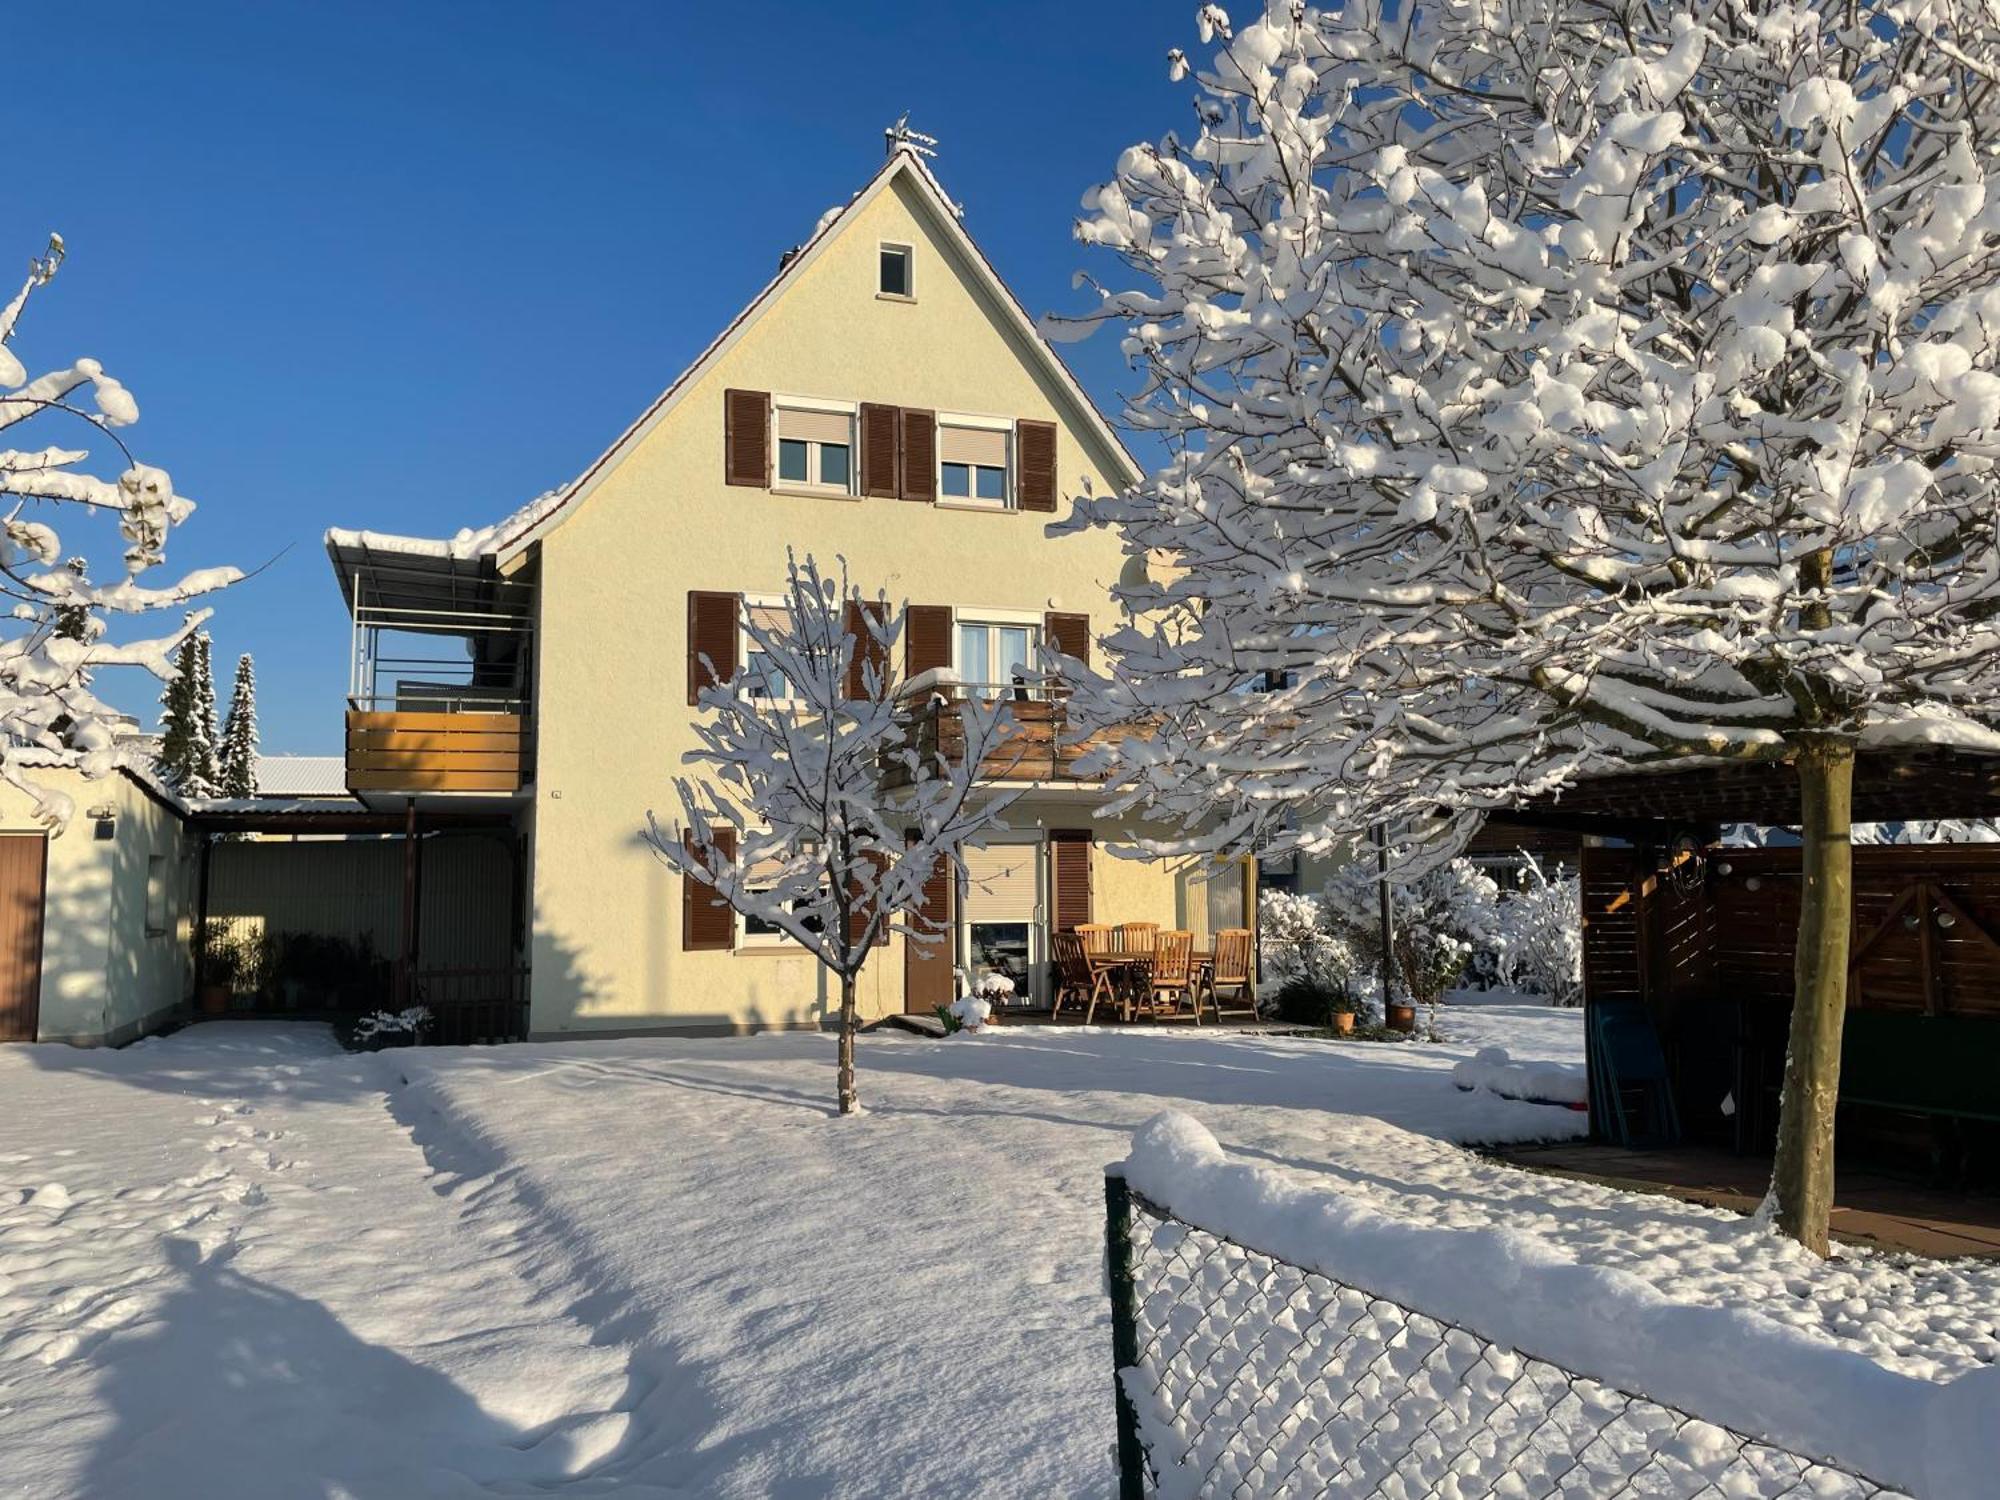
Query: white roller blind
{"type": "Point", "coordinates": [972, 445]}
{"type": "Point", "coordinates": [815, 426]}
{"type": "Point", "coordinates": [1225, 899]}
{"type": "Point", "coordinates": [1001, 883]}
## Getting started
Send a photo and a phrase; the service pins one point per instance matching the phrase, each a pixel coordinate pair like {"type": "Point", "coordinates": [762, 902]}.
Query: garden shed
{"type": "Point", "coordinates": [1688, 958]}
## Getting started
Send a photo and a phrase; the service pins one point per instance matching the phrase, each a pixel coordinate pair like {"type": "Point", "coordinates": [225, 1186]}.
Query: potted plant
{"type": "Point", "coordinates": [218, 960]}
{"type": "Point", "coordinates": [1340, 1011]}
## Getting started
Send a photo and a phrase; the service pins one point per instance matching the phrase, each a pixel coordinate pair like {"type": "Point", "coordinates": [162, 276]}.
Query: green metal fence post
{"type": "Point", "coordinates": [1124, 1329]}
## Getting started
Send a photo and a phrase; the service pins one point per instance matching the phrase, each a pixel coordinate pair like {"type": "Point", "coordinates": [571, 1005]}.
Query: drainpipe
{"type": "Point", "coordinates": [1386, 915]}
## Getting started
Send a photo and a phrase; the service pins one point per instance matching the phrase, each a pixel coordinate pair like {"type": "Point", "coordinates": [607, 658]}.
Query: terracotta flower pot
{"type": "Point", "coordinates": [215, 999]}
{"type": "Point", "coordinates": [1343, 1022]}
{"type": "Point", "coordinates": [1402, 1017]}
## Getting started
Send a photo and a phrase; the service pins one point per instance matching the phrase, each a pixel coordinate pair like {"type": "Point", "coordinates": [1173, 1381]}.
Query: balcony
{"type": "Point", "coordinates": [439, 699]}
{"type": "Point", "coordinates": [451, 751]}
{"type": "Point", "coordinates": [1041, 745]}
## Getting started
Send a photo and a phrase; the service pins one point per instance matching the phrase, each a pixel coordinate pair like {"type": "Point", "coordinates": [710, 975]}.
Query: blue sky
{"type": "Point", "coordinates": [405, 266]}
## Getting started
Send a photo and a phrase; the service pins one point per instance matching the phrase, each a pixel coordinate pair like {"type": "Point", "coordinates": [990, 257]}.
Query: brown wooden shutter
{"type": "Point", "coordinates": [746, 438]}
{"type": "Point", "coordinates": [860, 908]}
{"type": "Point", "coordinates": [867, 650]}
{"type": "Point", "coordinates": [1035, 451]}
{"type": "Point", "coordinates": [919, 455]}
{"type": "Point", "coordinates": [926, 638]}
{"type": "Point", "coordinates": [1069, 863]}
{"type": "Point", "coordinates": [881, 450]}
{"type": "Point", "coordinates": [713, 620]}
{"type": "Point", "coordinates": [708, 923]}
{"type": "Point", "coordinates": [927, 967]}
{"type": "Point", "coordinates": [1069, 634]}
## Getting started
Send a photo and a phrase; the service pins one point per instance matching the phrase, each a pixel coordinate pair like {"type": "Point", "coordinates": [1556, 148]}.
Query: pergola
{"type": "Point", "coordinates": [1689, 947]}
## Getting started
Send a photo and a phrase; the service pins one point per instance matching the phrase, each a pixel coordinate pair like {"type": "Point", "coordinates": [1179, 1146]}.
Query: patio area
{"type": "Point", "coordinates": [1871, 1207]}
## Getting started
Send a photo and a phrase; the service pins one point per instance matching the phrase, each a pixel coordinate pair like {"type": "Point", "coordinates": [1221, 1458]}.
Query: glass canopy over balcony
{"type": "Point", "coordinates": [440, 688]}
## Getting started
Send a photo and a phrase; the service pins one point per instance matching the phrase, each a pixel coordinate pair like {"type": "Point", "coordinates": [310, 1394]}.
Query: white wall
{"type": "Point", "coordinates": [106, 975]}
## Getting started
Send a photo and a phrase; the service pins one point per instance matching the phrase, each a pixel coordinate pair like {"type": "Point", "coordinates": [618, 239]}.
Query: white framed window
{"type": "Point", "coordinates": [759, 932]}
{"type": "Point", "coordinates": [769, 615]}
{"type": "Point", "coordinates": [815, 448]}
{"type": "Point", "coordinates": [975, 462]}
{"type": "Point", "coordinates": [896, 276]}
{"type": "Point", "coordinates": [997, 653]}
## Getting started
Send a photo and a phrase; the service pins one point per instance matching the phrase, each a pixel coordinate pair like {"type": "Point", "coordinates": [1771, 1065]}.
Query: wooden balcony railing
{"type": "Point", "coordinates": [393, 751]}
{"type": "Point", "coordinates": [1042, 744]}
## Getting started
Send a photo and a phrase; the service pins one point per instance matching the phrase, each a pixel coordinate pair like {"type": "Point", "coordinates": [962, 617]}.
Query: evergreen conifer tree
{"type": "Point", "coordinates": [239, 733]}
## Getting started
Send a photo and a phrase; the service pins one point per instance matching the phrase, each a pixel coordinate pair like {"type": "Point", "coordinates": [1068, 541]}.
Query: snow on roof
{"type": "Point", "coordinates": [301, 776]}
{"type": "Point", "coordinates": [135, 766]}
{"type": "Point", "coordinates": [527, 524]}
{"type": "Point", "coordinates": [272, 806]}
{"type": "Point", "coordinates": [467, 545]}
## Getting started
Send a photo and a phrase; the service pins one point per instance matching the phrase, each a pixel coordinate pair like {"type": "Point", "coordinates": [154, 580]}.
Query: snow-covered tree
{"type": "Point", "coordinates": [187, 751]}
{"type": "Point", "coordinates": [57, 634]}
{"type": "Point", "coordinates": [1538, 929]}
{"type": "Point", "coordinates": [1298, 948]}
{"type": "Point", "coordinates": [1558, 385]}
{"type": "Point", "coordinates": [1438, 918]}
{"type": "Point", "coordinates": [237, 759]}
{"type": "Point", "coordinates": [839, 807]}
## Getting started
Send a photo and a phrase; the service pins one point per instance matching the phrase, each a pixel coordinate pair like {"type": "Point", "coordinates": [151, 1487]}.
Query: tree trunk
{"type": "Point", "coordinates": [849, 1017]}
{"type": "Point", "coordinates": [1802, 1174]}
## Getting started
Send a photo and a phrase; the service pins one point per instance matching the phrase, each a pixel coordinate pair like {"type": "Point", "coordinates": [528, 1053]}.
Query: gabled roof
{"type": "Point", "coordinates": [529, 525]}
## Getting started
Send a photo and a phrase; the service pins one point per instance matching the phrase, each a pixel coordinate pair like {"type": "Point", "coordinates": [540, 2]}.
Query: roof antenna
{"type": "Point", "coordinates": [899, 137]}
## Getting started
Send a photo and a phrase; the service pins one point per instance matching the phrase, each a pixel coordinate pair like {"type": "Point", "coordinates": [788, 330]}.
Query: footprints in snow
{"type": "Point", "coordinates": [79, 1260]}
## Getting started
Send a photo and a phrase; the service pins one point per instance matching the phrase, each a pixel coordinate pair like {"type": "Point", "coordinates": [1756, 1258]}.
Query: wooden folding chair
{"type": "Point", "coordinates": [1096, 936]}
{"type": "Point", "coordinates": [1171, 982]}
{"type": "Point", "coordinates": [1078, 977]}
{"type": "Point", "coordinates": [1134, 937]}
{"type": "Point", "coordinates": [1232, 974]}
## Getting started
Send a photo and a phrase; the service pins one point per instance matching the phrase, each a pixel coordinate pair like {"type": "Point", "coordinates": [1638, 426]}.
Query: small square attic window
{"type": "Point", "coordinates": [895, 278]}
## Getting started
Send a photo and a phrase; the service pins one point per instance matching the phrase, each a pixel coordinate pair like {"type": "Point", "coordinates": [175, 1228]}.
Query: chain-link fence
{"type": "Point", "coordinates": [1241, 1375]}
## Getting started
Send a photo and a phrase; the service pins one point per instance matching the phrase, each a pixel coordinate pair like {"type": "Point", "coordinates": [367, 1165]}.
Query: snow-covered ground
{"type": "Point", "coordinates": [662, 1266]}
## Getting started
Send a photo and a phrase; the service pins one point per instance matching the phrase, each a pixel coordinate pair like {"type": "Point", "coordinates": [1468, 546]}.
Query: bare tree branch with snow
{"type": "Point", "coordinates": [57, 637]}
{"type": "Point", "coordinates": [1557, 385]}
{"type": "Point", "coordinates": [839, 810]}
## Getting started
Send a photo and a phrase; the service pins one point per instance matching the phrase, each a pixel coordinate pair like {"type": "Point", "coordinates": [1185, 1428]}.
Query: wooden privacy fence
{"type": "Point", "coordinates": [1701, 945]}
{"type": "Point", "coordinates": [1926, 927]}
{"type": "Point", "coordinates": [435, 752]}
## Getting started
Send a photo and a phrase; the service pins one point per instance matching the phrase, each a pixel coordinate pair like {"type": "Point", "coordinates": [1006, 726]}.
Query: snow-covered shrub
{"type": "Point", "coordinates": [1539, 938]}
{"type": "Point", "coordinates": [973, 1011]}
{"type": "Point", "coordinates": [1438, 918]}
{"type": "Point", "coordinates": [1310, 971]}
{"type": "Point", "coordinates": [1294, 941]}
{"type": "Point", "coordinates": [390, 1028]}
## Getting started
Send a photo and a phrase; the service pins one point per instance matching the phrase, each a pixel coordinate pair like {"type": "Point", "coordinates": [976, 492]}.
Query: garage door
{"type": "Point", "coordinates": [23, 858]}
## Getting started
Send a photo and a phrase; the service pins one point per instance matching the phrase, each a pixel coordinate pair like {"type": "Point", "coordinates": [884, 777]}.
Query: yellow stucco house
{"type": "Point", "coordinates": [884, 399]}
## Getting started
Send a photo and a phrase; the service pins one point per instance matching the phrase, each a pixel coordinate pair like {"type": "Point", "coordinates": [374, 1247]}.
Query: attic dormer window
{"type": "Point", "coordinates": [895, 277]}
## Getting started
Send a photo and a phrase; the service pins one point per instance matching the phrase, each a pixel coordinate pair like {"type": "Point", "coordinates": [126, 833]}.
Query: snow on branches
{"type": "Point", "coordinates": [815, 765]}
{"type": "Point", "coordinates": [1551, 383]}
{"type": "Point", "coordinates": [56, 635]}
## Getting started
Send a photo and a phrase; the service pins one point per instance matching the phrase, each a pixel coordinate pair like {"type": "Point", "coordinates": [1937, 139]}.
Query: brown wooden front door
{"type": "Point", "coordinates": [23, 864]}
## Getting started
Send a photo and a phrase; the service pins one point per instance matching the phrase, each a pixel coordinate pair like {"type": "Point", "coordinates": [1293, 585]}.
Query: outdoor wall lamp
{"type": "Point", "coordinates": [1946, 920]}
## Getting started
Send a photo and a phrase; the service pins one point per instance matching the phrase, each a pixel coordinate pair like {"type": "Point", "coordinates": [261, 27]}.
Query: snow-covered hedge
{"type": "Point", "coordinates": [1538, 1082]}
